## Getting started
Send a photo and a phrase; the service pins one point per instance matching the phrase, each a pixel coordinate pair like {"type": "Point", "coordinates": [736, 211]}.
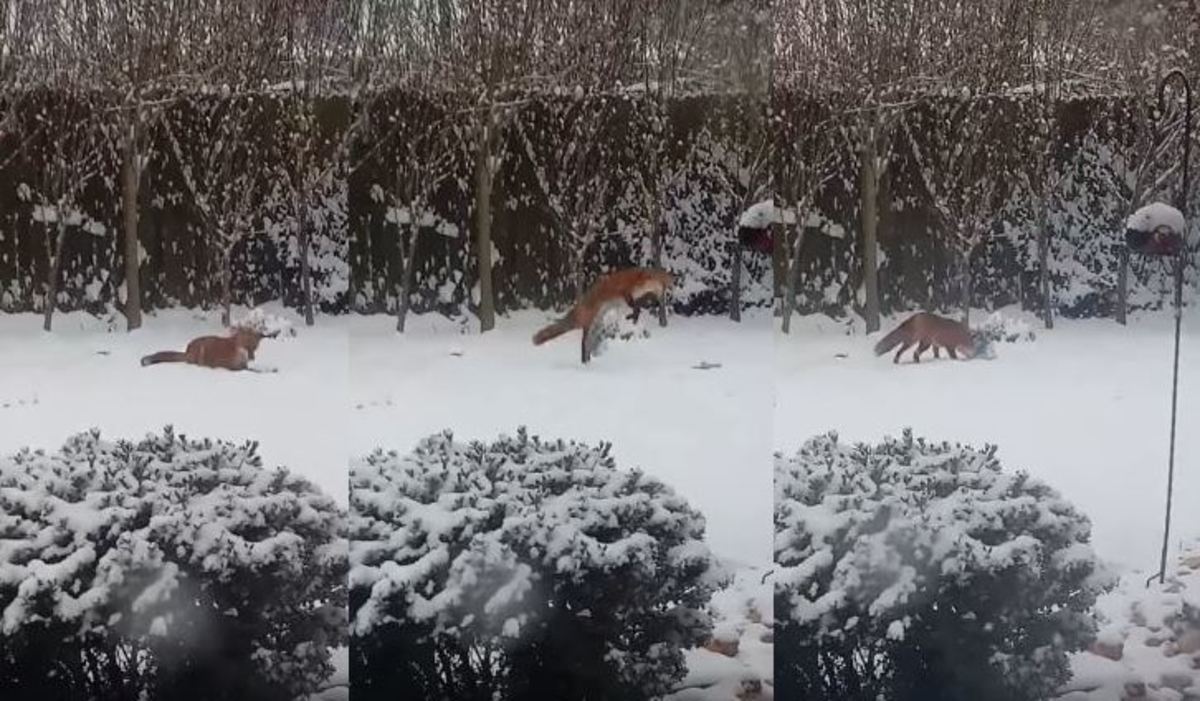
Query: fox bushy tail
{"type": "Point", "coordinates": [554, 330]}
{"type": "Point", "coordinates": [164, 357]}
{"type": "Point", "coordinates": [890, 341]}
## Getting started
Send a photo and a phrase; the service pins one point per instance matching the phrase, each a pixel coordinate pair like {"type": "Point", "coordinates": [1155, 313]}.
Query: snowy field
{"type": "Point", "coordinates": [1086, 408]}
{"type": "Point", "coordinates": [83, 375]}
{"type": "Point", "coordinates": [1149, 641]}
{"type": "Point", "coordinates": [739, 662]}
{"type": "Point", "coordinates": [704, 432]}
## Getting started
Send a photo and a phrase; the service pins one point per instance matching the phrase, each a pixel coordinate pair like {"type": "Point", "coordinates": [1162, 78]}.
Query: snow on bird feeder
{"type": "Point", "coordinates": [1157, 229]}
{"type": "Point", "coordinates": [754, 226]}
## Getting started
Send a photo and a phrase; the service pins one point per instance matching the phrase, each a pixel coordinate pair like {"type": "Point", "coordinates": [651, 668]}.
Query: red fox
{"type": "Point", "coordinates": [232, 352]}
{"type": "Point", "coordinates": [637, 287]}
{"type": "Point", "coordinates": [927, 330]}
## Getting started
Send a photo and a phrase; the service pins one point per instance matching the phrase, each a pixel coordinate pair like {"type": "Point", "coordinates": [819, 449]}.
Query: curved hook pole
{"type": "Point", "coordinates": [1181, 205]}
{"type": "Point", "coordinates": [1181, 198]}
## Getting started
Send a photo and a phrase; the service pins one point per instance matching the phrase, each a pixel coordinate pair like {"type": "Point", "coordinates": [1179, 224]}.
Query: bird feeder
{"type": "Point", "coordinates": [1157, 229]}
{"type": "Point", "coordinates": [757, 240]}
{"type": "Point", "coordinates": [1161, 230]}
{"type": "Point", "coordinates": [756, 227]}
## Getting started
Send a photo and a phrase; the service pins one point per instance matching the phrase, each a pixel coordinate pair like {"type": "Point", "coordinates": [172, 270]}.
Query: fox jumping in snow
{"type": "Point", "coordinates": [232, 352]}
{"type": "Point", "coordinates": [636, 287]}
{"type": "Point", "coordinates": [925, 330]}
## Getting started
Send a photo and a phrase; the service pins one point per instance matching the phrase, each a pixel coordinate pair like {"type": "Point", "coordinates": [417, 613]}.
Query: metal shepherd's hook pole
{"type": "Point", "coordinates": [1181, 205]}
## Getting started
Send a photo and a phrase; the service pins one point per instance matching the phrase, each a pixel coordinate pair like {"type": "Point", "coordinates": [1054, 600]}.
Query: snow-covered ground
{"type": "Point", "coordinates": [705, 432]}
{"type": "Point", "coordinates": [1149, 642]}
{"type": "Point", "coordinates": [1085, 407]}
{"type": "Point", "coordinates": [53, 385]}
{"type": "Point", "coordinates": [87, 373]}
{"type": "Point", "coordinates": [739, 663]}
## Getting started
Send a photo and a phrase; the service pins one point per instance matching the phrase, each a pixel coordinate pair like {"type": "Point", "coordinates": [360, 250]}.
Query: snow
{"type": "Point", "coordinates": [86, 373]}
{"type": "Point", "coordinates": [1084, 407]}
{"type": "Point", "coordinates": [100, 533]}
{"type": "Point", "coordinates": [1156, 630]}
{"type": "Point", "coordinates": [741, 612]}
{"type": "Point", "coordinates": [337, 687]}
{"type": "Point", "coordinates": [702, 432]}
{"type": "Point", "coordinates": [1154, 216]}
{"type": "Point", "coordinates": [761, 215]}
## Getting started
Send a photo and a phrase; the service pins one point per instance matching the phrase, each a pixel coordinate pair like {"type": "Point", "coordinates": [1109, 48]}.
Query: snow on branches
{"type": "Point", "coordinates": [525, 553]}
{"type": "Point", "coordinates": [164, 562]}
{"type": "Point", "coordinates": [909, 565]}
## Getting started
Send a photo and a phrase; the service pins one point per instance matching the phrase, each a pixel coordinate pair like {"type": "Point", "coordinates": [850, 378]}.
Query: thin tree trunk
{"type": "Point", "coordinates": [483, 227]}
{"type": "Point", "coordinates": [869, 202]}
{"type": "Point", "coordinates": [406, 281]}
{"type": "Point", "coordinates": [55, 273]}
{"type": "Point", "coordinates": [1122, 285]}
{"type": "Point", "coordinates": [656, 243]}
{"type": "Point", "coordinates": [130, 185]}
{"type": "Point", "coordinates": [578, 258]}
{"type": "Point", "coordinates": [1044, 266]}
{"type": "Point", "coordinates": [968, 287]}
{"type": "Point", "coordinates": [305, 269]}
{"type": "Point", "coordinates": [793, 276]}
{"type": "Point", "coordinates": [735, 282]}
{"type": "Point", "coordinates": [226, 286]}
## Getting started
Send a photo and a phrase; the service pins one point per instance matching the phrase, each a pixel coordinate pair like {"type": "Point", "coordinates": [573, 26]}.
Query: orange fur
{"type": "Point", "coordinates": [925, 330]}
{"type": "Point", "coordinates": [635, 286]}
{"type": "Point", "coordinates": [232, 352]}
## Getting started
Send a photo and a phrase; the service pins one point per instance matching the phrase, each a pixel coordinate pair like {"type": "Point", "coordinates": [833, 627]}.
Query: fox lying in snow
{"type": "Point", "coordinates": [232, 352]}
{"type": "Point", "coordinates": [636, 287]}
{"type": "Point", "coordinates": [925, 330]}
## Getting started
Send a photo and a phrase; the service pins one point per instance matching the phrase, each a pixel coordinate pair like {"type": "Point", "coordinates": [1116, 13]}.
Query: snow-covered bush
{"type": "Point", "coordinates": [999, 328]}
{"type": "Point", "coordinates": [915, 570]}
{"type": "Point", "coordinates": [265, 323]}
{"type": "Point", "coordinates": [168, 568]}
{"type": "Point", "coordinates": [521, 569]}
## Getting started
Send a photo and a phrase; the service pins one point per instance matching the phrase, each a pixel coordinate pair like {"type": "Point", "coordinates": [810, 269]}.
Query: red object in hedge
{"type": "Point", "coordinates": [757, 240]}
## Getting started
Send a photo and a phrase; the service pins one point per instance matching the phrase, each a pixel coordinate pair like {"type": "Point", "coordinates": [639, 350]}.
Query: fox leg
{"type": "Point", "coordinates": [633, 304]}
{"type": "Point", "coordinates": [903, 347]}
{"type": "Point", "coordinates": [924, 345]}
{"type": "Point", "coordinates": [950, 350]}
{"type": "Point", "coordinates": [583, 347]}
{"type": "Point", "coordinates": [937, 353]}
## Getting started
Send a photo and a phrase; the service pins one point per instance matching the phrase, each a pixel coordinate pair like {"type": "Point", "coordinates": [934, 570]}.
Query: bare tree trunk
{"type": "Point", "coordinates": [656, 243]}
{"type": "Point", "coordinates": [735, 282]}
{"type": "Point", "coordinates": [968, 287]}
{"type": "Point", "coordinates": [483, 228]}
{"type": "Point", "coordinates": [406, 281]}
{"type": "Point", "coordinates": [578, 257]}
{"type": "Point", "coordinates": [226, 287]}
{"type": "Point", "coordinates": [130, 185]}
{"type": "Point", "coordinates": [1044, 265]}
{"type": "Point", "coordinates": [793, 276]}
{"type": "Point", "coordinates": [868, 203]}
{"type": "Point", "coordinates": [60, 240]}
{"type": "Point", "coordinates": [1122, 285]}
{"type": "Point", "coordinates": [779, 265]}
{"type": "Point", "coordinates": [305, 269]}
